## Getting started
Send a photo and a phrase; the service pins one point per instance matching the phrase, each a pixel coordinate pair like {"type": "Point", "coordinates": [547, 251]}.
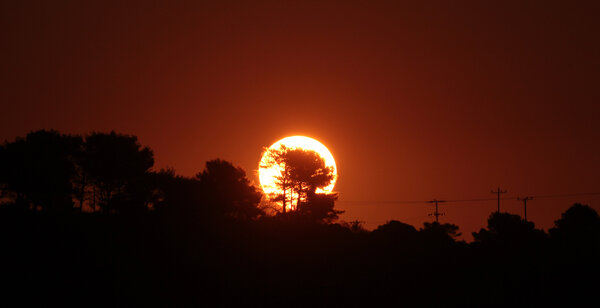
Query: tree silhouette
{"type": "Point", "coordinates": [506, 229]}
{"type": "Point", "coordinates": [208, 232]}
{"type": "Point", "coordinates": [439, 234]}
{"type": "Point", "coordinates": [578, 228]}
{"type": "Point", "coordinates": [319, 207]}
{"type": "Point", "coordinates": [38, 170]}
{"type": "Point", "coordinates": [115, 164]}
{"type": "Point", "coordinates": [302, 172]}
{"type": "Point", "coordinates": [355, 226]}
{"type": "Point", "coordinates": [276, 158]}
{"type": "Point", "coordinates": [395, 231]}
{"type": "Point", "coordinates": [228, 191]}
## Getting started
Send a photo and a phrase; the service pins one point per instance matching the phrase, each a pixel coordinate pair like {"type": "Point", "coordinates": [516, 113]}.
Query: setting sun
{"type": "Point", "coordinates": [267, 175]}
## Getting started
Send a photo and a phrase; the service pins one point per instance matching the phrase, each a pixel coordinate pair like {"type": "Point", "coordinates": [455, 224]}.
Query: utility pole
{"type": "Point", "coordinates": [437, 214]}
{"type": "Point", "coordinates": [498, 192]}
{"type": "Point", "coordinates": [525, 205]}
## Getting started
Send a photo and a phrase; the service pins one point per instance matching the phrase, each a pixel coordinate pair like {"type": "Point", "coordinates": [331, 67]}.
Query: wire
{"type": "Point", "coordinates": [463, 200]}
{"type": "Point", "coordinates": [381, 201]}
{"type": "Point", "coordinates": [418, 202]}
{"type": "Point", "coordinates": [473, 200]}
{"type": "Point", "coordinates": [567, 195]}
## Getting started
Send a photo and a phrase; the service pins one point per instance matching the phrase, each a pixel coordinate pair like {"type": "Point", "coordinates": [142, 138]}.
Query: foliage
{"type": "Point", "coordinates": [355, 226]}
{"type": "Point", "coordinates": [206, 237]}
{"type": "Point", "coordinates": [439, 234]}
{"type": "Point", "coordinates": [397, 228]}
{"type": "Point", "coordinates": [37, 170]}
{"type": "Point", "coordinates": [506, 229]}
{"type": "Point", "coordinates": [302, 172]}
{"type": "Point", "coordinates": [320, 207]}
{"type": "Point", "coordinates": [579, 221]}
{"type": "Point", "coordinates": [578, 229]}
{"type": "Point", "coordinates": [228, 190]}
{"type": "Point", "coordinates": [116, 165]}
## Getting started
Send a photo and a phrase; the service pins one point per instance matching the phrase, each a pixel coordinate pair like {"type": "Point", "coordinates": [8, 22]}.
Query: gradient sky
{"type": "Point", "coordinates": [442, 100]}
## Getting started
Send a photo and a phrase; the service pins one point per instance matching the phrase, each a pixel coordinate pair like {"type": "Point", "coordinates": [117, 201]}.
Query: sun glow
{"type": "Point", "coordinates": [268, 175]}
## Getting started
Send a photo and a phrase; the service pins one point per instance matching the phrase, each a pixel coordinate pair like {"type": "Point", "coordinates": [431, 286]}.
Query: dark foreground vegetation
{"type": "Point", "coordinates": [86, 222]}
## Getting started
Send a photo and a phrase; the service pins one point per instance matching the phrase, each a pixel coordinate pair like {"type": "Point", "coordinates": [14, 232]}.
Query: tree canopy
{"type": "Point", "coordinates": [302, 172]}
{"type": "Point", "coordinates": [37, 170]}
{"type": "Point", "coordinates": [227, 188]}
{"type": "Point", "coordinates": [161, 233]}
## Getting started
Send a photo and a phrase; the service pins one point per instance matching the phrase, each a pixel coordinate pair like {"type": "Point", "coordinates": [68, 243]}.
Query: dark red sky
{"type": "Point", "coordinates": [430, 100]}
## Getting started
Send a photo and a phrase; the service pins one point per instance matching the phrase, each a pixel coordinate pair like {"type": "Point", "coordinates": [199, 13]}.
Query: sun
{"type": "Point", "coordinates": [267, 176]}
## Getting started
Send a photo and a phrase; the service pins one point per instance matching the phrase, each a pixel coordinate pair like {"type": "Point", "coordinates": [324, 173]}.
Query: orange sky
{"type": "Point", "coordinates": [436, 100]}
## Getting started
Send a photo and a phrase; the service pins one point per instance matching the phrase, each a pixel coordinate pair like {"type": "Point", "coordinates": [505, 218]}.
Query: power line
{"type": "Point", "coordinates": [418, 202]}
{"type": "Point", "coordinates": [414, 202]}
{"type": "Point", "coordinates": [436, 214]}
{"type": "Point", "coordinates": [567, 195]}
{"type": "Point", "coordinates": [471, 200]}
{"type": "Point", "coordinates": [382, 201]}
{"type": "Point", "coordinates": [525, 199]}
{"type": "Point", "coordinates": [499, 191]}
{"type": "Point", "coordinates": [464, 200]}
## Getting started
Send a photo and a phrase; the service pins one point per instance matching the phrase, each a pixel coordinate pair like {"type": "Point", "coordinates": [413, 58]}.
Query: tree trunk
{"type": "Point", "coordinates": [284, 199]}
{"type": "Point", "coordinates": [82, 195]}
{"type": "Point", "coordinates": [94, 199]}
